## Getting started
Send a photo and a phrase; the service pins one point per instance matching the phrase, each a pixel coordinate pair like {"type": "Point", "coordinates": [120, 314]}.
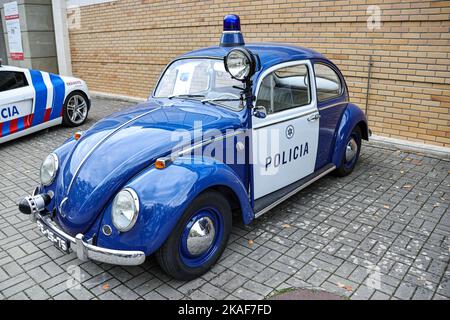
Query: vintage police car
{"type": "Point", "coordinates": [229, 129]}
{"type": "Point", "coordinates": [32, 100]}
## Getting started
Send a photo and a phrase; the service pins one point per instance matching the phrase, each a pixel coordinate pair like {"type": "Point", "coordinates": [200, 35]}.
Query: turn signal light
{"type": "Point", "coordinates": [78, 135]}
{"type": "Point", "coordinates": [162, 163]}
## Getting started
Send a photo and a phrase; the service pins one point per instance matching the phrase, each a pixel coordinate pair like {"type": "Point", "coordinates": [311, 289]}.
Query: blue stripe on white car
{"type": "Point", "coordinates": [41, 94]}
{"type": "Point", "coordinates": [59, 90]}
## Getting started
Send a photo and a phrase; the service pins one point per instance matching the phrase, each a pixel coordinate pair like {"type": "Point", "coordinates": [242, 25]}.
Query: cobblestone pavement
{"type": "Point", "coordinates": [380, 233]}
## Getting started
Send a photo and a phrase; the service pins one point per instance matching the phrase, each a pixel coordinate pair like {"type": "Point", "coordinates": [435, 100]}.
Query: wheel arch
{"type": "Point", "coordinates": [352, 116]}
{"type": "Point", "coordinates": [165, 194]}
{"type": "Point", "coordinates": [231, 196]}
{"type": "Point", "coordinates": [79, 91]}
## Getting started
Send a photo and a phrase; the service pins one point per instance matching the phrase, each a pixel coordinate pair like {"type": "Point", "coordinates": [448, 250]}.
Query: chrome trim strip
{"type": "Point", "coordinates": [334, 105]}
{"type": "Point", "coordinates": [290, 194]}
{"type": "Point", "coordinates": [100, 142]}
{"type": "Point", "coordinates": [274, 122]}
{"type": "Point", "coordinates": [206, 142]}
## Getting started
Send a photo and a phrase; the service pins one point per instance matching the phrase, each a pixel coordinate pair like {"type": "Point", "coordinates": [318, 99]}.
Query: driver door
{"type": "Point", "coordinates": [16, 102]}
{"type": "Point", "coordinates": [284, 144]}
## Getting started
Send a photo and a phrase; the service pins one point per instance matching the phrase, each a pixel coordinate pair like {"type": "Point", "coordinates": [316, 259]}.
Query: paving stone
{"type": "Point", "coordinates": [12, 269]}
{"type": "Point", "coordinates": [168, 292]}
{"type": "Point", "coordinates": [108, 296]}
{"type": "Point", "coordinates": [37, 293]}
{"type": "Point", "coordinates": [154, 296]}
{"type": "Point", "coordinates": [379, 296]}
{"type": "Point", "coordinates": [245, 294]}
{"type": "Point", "coordinates": [405, 291]}
{"type": "Point", "coordinates": [257, 287]}
{"type": "Point", "coordinates": [19, 296]}
{"type": "Point", "coordinates": [125, 293]}
{"type": "Point", "coordinates": [213, 291]}
{"type": "Point", "coordinates": [200, 295]}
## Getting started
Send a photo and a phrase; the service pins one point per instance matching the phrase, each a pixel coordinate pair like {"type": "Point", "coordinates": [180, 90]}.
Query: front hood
{"type": "Point", "coordinates": [118, 147]}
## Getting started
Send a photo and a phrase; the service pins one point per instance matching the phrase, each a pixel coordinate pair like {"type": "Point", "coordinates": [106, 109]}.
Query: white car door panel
{"type": "Point", "coordinates": [284, 144]}
{"type": "Point", "coordinates": [16, 103]}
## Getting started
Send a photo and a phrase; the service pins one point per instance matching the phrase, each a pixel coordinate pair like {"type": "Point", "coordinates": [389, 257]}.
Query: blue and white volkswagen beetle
{"type": "Point", "coordinates": [229, 132]}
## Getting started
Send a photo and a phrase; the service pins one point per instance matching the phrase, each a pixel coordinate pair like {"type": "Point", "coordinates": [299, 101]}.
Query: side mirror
{"type": "Point", "coordinates": [260, 112]}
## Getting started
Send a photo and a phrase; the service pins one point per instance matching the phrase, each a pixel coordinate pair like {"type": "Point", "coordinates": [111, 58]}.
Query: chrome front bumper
{"type": "Point", "coordinates": [86, 251]}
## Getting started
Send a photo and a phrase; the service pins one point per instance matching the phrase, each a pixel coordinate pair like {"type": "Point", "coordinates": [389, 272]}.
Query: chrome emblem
{"type": "Point", "coordinates": [290, 131]}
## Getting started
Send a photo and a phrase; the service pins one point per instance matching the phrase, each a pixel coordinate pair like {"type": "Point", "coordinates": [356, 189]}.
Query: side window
{"type": "Point", "coordinates": [327, 82]}
{"type": "Point", "coordinates": [12, 80]}
{"type": "Point", "coordinates": [284, 89]}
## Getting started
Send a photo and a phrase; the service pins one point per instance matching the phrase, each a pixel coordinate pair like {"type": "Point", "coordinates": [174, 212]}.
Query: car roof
{"type": "Point", "coordinates": [269, 54]}
{"type": "Point", "coordinates": [11, 68]}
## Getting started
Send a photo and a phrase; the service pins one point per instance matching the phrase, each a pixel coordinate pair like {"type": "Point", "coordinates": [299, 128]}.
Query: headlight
{"type": "Point", "coordinates": [240, 64]}
{"type": "Point", "coordinates": [125, 209]}
{"type": "Point", "coordinates": [48, 169]}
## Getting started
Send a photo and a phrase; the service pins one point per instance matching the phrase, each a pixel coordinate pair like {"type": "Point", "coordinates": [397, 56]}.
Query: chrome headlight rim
{"type": "Point", "coordinates": [136, 205]}
{"type": "Point", "coordinates": [53, 176]}
{"type": "Point", "coordinates": [249, 60]}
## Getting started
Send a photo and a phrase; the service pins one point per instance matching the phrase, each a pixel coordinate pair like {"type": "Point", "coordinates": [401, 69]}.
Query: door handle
{"type": "Point", "coordinates": [314, 117]}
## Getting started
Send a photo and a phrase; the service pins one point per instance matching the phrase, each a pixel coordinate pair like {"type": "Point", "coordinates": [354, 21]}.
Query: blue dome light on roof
{"type": "Point", "coordinates": [231, 22]}
{"type": "Point", "coordinates": [231, 35]}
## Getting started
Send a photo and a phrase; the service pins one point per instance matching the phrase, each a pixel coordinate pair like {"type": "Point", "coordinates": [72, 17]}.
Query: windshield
{"type": "Point", "coordinates": [202, 79]}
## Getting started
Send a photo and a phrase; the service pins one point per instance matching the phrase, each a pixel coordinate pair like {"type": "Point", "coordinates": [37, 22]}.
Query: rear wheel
{"type": "Point", "coordinates": [76, 109]}
{"type": "Point", "coordinates": [351, 153]}
{"type": "Point", "coordinates": [198, 239]}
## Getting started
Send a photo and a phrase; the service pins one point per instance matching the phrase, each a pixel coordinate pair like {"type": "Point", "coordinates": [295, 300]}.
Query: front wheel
{"type": "Point", "coordinates": [198, 239]}
{"type": "Point", "coordinates": [351, 153]}
{"type": "Point", "coordinates": [75, 109]}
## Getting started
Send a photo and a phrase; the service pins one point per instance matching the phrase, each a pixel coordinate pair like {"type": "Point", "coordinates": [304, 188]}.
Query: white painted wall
{"type": "Point", "coordinates": [62, 37]}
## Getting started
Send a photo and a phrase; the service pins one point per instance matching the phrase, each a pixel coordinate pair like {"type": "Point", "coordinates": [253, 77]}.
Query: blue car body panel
{"type": "Point", "coordinates": [330, 118]}
{"type": "Point", "coordinates": [120, 150]}
{"type": "Point", "coordinates": [164, 195]}
{"type": "Point", "coordinates": [351, 117]}
{"type": "Point", "coordinates": [106, 167]}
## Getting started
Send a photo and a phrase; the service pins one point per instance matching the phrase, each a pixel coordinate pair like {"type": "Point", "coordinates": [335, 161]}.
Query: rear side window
{"type": "Point", "coordinates": [327, 82]}
{"type": "Point", "coordinates": [284, 89]}
{"type": "Point", "coordinates": [12, 80]}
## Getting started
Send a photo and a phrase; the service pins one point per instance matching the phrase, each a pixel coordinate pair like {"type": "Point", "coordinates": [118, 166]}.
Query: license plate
{"type": "Point", "coordinates": [61, 243]}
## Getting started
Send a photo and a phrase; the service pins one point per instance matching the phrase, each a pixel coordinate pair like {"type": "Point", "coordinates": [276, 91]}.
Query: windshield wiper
{"type": "Point", "coordinates": [186, 96]}
{"type": "Point", "coordinates": [220, 99]}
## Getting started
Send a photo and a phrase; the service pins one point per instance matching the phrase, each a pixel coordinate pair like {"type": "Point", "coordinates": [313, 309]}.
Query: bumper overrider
{"type": "Point", "coordinates": [34, 206]}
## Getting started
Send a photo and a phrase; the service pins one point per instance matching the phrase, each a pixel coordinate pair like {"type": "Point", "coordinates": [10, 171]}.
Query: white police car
{"type": "Point", "coordinates": [32, 100]}
{"type": "Point", "coordinates": [230, 128]}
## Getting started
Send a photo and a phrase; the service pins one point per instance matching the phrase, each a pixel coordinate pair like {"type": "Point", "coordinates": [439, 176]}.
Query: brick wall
{"type": "Point", "coordinates": [122, 46]}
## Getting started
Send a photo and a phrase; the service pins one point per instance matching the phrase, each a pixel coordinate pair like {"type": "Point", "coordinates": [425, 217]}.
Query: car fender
{"type": "Point", "coordinates": [163, 197]}
{"type": "Point", "coordinates": [351, 117]}
{"type": "Point", "coordinates": [72, 84]}
{"type": "Point", "coordinates": [75, 84]}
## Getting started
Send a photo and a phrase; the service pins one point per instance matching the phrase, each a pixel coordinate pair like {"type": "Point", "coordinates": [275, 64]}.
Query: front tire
{"type": "Point", "coordinates": [75, 109]}
{"type": "Point", "coordinates": [351, 153]}
{"type": "Point", "coordinates": [198, 239]}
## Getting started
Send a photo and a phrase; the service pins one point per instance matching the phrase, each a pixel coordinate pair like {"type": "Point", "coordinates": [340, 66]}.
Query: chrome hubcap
{"type": "Point", "coordinates": [201, 236]}
{"type": "Point", "coordinates": [77, 109]}
{"type": "Point", "coordinates": [351, 150]}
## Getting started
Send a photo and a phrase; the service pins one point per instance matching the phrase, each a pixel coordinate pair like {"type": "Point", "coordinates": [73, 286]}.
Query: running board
{"type": "Point", "coordinates": [268, 202]}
